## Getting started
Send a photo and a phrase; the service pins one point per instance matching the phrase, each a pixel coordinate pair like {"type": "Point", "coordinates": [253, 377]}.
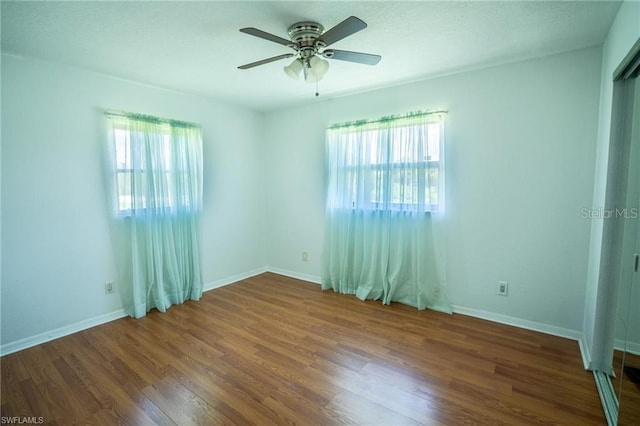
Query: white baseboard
{"type": "Point", "coordinates": [28, 342]}
{"type": "Point", "coordinates": [46, 336]}
{"type": "Point", "coordinates": [297, 275]}
{"type": "Point", "coordinates": [519, 322]}
{"type": "Point", "coordinates": [234, 279]}
{"type": "Point", "coordinates": [631, 347]}
{"type": "Point", "coordinates": [584, 351]}
{"type": "Point", "coordinates": [531, 325]}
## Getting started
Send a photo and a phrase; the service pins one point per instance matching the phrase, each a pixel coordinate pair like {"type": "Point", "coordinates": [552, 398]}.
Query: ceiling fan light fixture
{"type": "Point", "coordinates": [316, 70]}
{"type": "Point", "coordinates": [293, 69]}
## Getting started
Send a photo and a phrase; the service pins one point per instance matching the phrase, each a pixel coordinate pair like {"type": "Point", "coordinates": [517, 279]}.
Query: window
{"type": "Point", "coordinates": [385, 191]}
{"type": "Point", "coordinates": [156, 176]}
{"type": "Point", "coordinates": [393, 164]}
{"type": "Point", "coordinates": [158, 165]}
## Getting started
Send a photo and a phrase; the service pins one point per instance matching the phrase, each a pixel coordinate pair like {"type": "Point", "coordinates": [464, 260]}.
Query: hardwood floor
{"type": "Point", "coordinates": [274, 350]}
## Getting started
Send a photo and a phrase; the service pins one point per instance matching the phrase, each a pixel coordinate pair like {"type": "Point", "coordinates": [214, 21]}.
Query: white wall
{"type": "Point", "coordinates": [56, 251]}
{"type": "Point", "coordinates": [520, 152]}
{"type": "Point", "coordinates": [624, 32]}
{"type": "Point", "coordinates": [520, 155]}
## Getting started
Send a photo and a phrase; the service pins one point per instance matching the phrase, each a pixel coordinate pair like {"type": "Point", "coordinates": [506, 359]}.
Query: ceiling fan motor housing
{"type": "Point", "coordinates": [305, 36]}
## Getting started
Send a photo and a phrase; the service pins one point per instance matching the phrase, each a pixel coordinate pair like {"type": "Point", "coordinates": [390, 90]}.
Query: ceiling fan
{"type": "Point", "coordinates": [309, 42]}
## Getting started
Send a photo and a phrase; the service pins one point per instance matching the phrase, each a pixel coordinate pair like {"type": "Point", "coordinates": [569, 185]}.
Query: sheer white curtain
{"type": "Point", "coordinates": [156, 177]}
{"type": "Point", "coordinates": [385, 204]}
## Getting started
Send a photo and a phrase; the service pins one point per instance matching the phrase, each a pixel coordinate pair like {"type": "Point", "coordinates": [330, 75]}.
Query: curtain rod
{"type": "Point", "coordinates": [386, 118]}
{"type": "Point", "coordinates": [150, 118]}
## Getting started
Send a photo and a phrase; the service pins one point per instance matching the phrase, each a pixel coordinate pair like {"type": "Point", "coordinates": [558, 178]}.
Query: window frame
{"type": "Point", "coordinates": [377, 202]}
{"type": "Point", "coordinates": [171, 167]}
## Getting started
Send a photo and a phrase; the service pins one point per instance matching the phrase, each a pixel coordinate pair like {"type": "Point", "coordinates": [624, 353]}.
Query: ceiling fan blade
{"type": "Point", "coordinates": [344, 29]}
{"type": "Point", "coordinates": [262, 34]}
{"type": "Point", "coordinates": [345, 55]}
{"type": "Point", "coordinates": [265, 61]}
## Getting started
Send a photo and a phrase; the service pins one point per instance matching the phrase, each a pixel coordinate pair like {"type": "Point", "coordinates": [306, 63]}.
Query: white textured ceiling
{"type": "Point", "coordinates": [195, 47]}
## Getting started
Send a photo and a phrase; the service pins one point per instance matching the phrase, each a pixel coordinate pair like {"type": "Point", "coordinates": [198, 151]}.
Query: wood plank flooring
{"type": "Point", "coordinates": [274, 350]}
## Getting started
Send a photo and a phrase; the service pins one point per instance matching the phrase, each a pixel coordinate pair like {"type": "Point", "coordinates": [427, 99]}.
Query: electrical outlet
{"type": "Point", "coordinates": [305, 256]}
{"type": "Point", "coordinates": [503, 288]}
{"type": "Point", "coordinates": [108, 287]}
